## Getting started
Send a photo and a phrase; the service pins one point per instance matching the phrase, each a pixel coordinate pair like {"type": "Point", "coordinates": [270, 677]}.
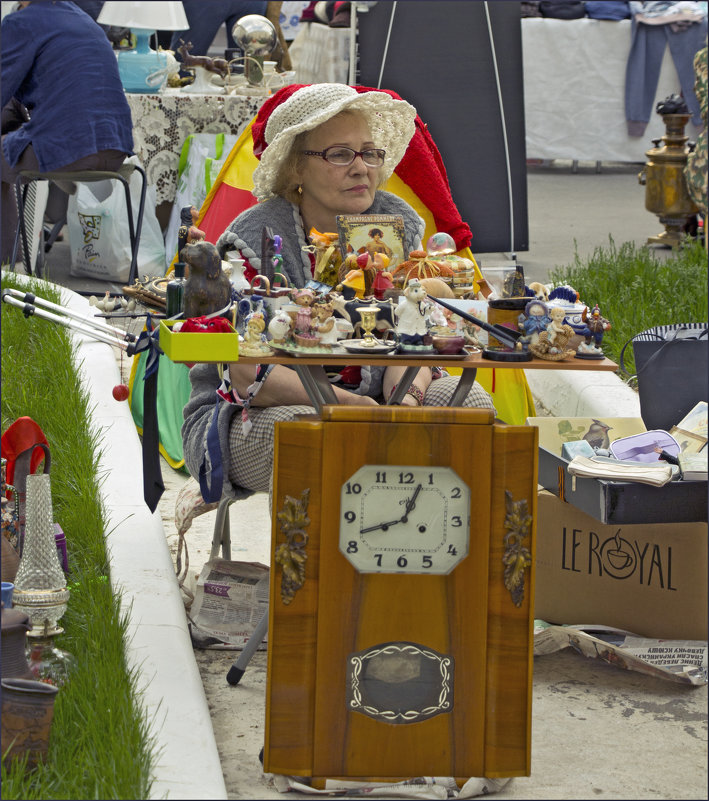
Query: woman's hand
{"type": "Point", "coordinates": [393, 375]}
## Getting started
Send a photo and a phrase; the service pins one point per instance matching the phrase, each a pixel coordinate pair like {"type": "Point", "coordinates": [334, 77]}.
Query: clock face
{"type": "Point", "coordinates": [404, 519]}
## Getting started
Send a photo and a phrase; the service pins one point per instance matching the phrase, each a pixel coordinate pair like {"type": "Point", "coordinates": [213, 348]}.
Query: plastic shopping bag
{"type": "Point", "coordinates": [201, 160]}
{"type": "Point", "coordinates": [99, 237]}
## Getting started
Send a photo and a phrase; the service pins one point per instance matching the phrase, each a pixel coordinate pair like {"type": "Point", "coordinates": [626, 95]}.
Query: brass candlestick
{"type": "Point", "coordinates": [368, 315]}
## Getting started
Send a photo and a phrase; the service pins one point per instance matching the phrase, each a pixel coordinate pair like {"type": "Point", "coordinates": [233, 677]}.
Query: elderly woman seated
{"type": "Point", "coordinates": [328, 150]}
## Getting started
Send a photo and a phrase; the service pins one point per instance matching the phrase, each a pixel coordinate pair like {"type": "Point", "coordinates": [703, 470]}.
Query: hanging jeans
{"type": "Point", "coordinates": [643, 69]}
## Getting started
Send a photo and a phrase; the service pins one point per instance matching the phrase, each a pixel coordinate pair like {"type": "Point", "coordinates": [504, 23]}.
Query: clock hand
{"type": "Point", "coordinates": [410, 504]}
{"type": "Point", "coordinates": [383, 526]}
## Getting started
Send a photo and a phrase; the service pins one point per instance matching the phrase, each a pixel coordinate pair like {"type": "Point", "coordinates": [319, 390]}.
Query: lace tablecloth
{"type": "Point", "coordinates": [162, 122]}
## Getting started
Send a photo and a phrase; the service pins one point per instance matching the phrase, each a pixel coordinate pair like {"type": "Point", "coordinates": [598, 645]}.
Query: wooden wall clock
{"type": "Point", "coordinates": [401, 606]}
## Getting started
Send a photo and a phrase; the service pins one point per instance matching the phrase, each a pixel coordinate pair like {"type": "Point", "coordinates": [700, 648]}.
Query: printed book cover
{"type": "Point", "coordinates": [599, 433]}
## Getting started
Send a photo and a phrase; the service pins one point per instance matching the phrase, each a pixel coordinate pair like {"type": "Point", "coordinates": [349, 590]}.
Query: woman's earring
{"type": "Point", "coordinates": [300, 189]}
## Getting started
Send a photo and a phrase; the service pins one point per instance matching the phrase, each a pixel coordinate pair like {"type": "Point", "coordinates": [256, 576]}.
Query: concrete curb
{"type": "Point", "coordinates": [186, 760]}
{"type": "Point", "coordinates": [187, 763]}
{"type": "Point", "coordinates": [562, 393]}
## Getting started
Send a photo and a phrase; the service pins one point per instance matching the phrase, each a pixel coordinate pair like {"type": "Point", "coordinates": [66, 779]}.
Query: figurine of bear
{"type": "Point", "coordinates": [208, 288]}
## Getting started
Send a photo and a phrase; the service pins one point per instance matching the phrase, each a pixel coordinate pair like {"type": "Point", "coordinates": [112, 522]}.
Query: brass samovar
{"type": "Point", "coordinates": [663, 175]}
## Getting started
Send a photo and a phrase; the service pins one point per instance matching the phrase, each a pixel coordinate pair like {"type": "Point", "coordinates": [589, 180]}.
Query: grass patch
{"type": "Point", "coordinates": [101, 742]}
{"type": "Point", "coordinates": [636, 290]}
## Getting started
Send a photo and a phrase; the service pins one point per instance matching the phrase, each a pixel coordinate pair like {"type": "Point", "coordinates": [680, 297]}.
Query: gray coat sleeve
{"type": "Point", "coordinates": [198, 415]}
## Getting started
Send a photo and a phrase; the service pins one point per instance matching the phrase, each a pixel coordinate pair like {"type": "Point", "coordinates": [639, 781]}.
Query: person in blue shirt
{"type": "Point", "coordinates": [63, 104]}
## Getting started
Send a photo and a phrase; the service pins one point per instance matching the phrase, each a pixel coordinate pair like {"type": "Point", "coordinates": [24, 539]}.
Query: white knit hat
{"type": "Point", "coordinates": [391, 124]}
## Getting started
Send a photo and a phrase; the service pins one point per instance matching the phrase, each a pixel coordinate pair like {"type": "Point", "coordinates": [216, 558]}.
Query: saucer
{"type": "Point", "coordinates": [356, 346]}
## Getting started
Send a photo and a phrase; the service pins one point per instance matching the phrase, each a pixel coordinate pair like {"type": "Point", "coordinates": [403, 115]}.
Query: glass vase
{"type": "Point", "coordinates": [40, 584]}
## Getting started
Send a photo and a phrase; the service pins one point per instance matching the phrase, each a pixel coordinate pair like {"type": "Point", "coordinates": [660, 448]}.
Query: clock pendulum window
{"type": "Point", "coordinates": [401, 608]}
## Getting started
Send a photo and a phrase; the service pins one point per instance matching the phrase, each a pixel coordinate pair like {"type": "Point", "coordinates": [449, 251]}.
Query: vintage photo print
{"type": "Point", "coordinates": [373, 233]}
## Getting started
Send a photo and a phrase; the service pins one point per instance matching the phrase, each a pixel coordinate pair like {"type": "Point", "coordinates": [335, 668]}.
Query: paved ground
{"type": "Point", "coordinates": [597, 731]}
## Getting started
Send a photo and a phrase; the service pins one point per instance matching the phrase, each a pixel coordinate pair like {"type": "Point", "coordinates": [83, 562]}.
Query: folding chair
{"type": "Point", "coordinates": [26, 177]}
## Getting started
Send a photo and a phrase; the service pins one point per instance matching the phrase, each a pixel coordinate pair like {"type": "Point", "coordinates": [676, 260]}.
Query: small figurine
{"type": "Point", "coordinates": [208, 288]}
{"type": "Point", "coordinates": [358, 271]}
{"type": "Point", "coordinates": [328, 258]}
{"type": "Point", "coordinates": [552, 342]}
{"type": "Point", "coordinates": [106, 304]}
{"type": "Point", "coordinates": [555, 327]}
{"type": "Point", "coordinates": [325, 324]}
{"type": "Point", "coordinates": [593, 330]}
{"type": "Point", "coordinates": [534, 320]}
{"type": "Point", "coordinates": [277, 258]}
{"type": "Point", "coordinates": [412, 315]}
{"type": "Point", "coordinates": [280, 327]}
{"type": "Point", "coordinates": [304, 299]}
{"type": "Point", "coordinates": [254, 343]}
{"type": "Point", "coordinates": [382, 279]}
{"type": "Point", "coordinates": [540, 291]}
{"type": "Point", "coordinates": [220, 66]}
{"type": "Point", "coordinates": [470, 334]}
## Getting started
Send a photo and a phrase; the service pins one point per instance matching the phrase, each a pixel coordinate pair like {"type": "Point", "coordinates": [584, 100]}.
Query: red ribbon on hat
{"type": "Point", "coordinates": [421, 168]}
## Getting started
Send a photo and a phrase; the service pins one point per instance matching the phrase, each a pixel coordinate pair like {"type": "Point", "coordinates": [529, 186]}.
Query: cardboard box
{"type": "Point", "coordinates": [650, 579]}
{"type": "Point", "coordinates": [613, 502]}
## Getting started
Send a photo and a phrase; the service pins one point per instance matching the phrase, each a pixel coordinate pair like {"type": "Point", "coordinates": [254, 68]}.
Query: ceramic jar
{"type": "Point", "coordinates": [26, 720]}
{"type": "Point", "coordinates": [15, 625]}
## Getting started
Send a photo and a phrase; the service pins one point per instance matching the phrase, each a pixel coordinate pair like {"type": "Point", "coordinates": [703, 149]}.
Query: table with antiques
{"type": "Point", "coordinates": [162, 122]}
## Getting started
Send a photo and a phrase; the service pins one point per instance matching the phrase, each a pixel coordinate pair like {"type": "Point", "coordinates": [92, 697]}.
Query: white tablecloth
{"type": "Point", "coordinates": [574, 87]}
{"type": "Point", "coordinates": [162, 122]}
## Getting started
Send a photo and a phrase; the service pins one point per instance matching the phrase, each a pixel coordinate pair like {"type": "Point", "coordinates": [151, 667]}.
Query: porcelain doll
{"type": "Point", "coordinates": [555, 328]}
{"type": "Point", "coordinates": [534, 320]}
{"type": "Point", "coordinates": [412, 314]}
{"type": "Point", "coordinates": [595, 327]}
{"type": "Point", "coordinates": [254, 343]}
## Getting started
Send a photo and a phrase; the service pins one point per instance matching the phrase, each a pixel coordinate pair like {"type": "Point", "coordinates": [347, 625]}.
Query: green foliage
{"type": "Point", "coordinates": [101, 742]}
{"type": "Point", "coordinates": [636, 290]}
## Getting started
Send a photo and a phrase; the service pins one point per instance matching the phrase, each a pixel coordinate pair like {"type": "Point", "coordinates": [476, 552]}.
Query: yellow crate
{"type": "Point", "coordinates": [198, 346]}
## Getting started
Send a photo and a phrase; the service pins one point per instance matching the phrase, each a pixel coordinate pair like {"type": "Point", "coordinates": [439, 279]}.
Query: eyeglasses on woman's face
{"type": "Point", "coordinates": [344, 156]}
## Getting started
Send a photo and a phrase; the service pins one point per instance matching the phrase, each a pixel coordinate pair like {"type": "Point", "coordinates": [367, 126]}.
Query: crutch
{"type": "Point", "coordinates": [31, 305]}
{"type": "Point", "coordinates": [237, 670]}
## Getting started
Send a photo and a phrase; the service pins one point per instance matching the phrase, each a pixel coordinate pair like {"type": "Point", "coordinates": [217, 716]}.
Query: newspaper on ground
{"type": "Point", "coordinates": [420, 787]}
{"type": "Point", "coordinates": [230, 600]}
{"type": "Point", "coordinates": [682, 661]}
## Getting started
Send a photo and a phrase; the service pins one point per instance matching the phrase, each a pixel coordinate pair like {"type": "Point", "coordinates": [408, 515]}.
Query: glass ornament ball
{"type": "Point", "coordinates": [440, 244]}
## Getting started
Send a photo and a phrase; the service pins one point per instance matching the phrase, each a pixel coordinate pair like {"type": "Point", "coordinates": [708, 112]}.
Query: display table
{"type": "Point", "coordinates": [574, 88]}
{"type": "Point", "coordinates": [311, 370]}
{"type": "Point", "coordinates": [162, 122]}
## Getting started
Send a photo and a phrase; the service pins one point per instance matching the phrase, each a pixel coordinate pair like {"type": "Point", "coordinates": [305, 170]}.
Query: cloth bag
{"type": "Point", "coordinates": [99, 238]}
{"type": "Point", "coordinates": [671, 363]}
